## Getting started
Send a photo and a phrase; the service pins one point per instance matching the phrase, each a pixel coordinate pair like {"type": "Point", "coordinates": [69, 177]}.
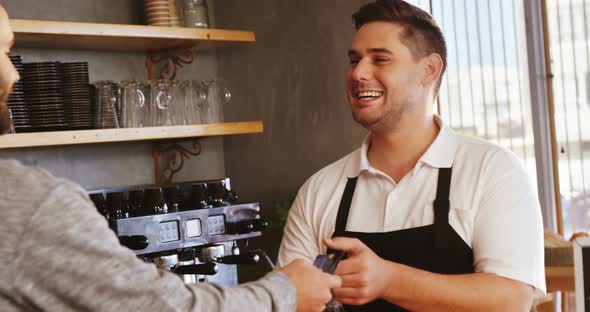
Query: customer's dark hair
{"type": "Point", "coordinates": [421, 33]}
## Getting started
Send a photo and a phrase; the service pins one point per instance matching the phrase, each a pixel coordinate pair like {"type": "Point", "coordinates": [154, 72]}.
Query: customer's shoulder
{"type": "Point", "coordinates": [21, 179]}
{"type": "Point", "coordinates": [16, 171]}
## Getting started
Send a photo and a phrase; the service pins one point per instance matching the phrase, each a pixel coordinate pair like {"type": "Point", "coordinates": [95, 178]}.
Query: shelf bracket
{"type": "Point", "coordinates": [173, 155]}
{"type": "Point", "coordinates": [168, 62]}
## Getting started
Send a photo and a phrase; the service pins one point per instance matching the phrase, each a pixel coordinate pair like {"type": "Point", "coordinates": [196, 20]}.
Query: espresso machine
{"type": "Point", "coordinates": [190, 228]}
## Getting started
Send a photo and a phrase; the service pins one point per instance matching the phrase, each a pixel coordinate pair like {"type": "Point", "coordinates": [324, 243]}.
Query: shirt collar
{"type": "Point", "coordinates": [364, 152]}
{"type": "Point", "coordinates": [440, 153]}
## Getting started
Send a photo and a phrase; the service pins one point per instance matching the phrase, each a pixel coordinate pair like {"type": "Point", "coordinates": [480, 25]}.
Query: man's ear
{"type": "Point", "coordinates": [433, 65]}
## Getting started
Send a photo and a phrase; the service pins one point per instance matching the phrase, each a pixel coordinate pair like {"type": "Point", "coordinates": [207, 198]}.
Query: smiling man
{"type": "Point", "coordinates": [431, 220]}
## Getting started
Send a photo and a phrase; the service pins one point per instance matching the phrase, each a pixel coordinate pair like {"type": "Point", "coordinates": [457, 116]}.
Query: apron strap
{"type": "Point", "coordinates": [442, 207]}
{"type": "Point", "coordinates": [344, 207]}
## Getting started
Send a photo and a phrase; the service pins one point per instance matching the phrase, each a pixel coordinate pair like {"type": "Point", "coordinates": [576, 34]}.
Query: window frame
{"type": "Point", "coordinates": [541, 92]}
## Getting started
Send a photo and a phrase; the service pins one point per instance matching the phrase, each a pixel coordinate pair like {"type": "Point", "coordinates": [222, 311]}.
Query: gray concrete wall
{"type": "Point", "coordinates": [292, 78]}
{"type": "Point", "coordinates": [107, 165]}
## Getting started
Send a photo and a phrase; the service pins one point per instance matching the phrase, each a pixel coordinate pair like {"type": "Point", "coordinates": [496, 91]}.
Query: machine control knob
{"type": "Point", "coordinates": [134, 242]}
{"type": "Point", "coordinates": [200, 269]}
{"type": "Point", "coordinates": [245, 258]}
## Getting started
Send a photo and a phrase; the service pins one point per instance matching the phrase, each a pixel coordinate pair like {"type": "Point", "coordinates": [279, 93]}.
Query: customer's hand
{"type": "Point", "coordinates": [363, 273]}
{"type": "Point", "coordinates": [313, 286]}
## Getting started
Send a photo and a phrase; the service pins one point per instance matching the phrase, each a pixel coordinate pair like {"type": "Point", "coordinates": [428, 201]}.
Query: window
{"type": "Point", "coordinates": [485, 92]}
{"type": "Point", "coordinates": [569, 42]}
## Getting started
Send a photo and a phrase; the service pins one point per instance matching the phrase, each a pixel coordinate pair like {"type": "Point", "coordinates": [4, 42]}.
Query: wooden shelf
{"type": "Point", "coordinates": [55, 138]}
{"type": "Point", "coordinates": [116, 37]}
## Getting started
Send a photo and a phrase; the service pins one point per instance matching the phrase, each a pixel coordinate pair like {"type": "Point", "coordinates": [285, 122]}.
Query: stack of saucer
{"type": "Point", "coordinates": [42, 85]}
{"type": "Point", "coordinates": [162, 13]}
{"type": "Point", "coordinates": [76, 95]}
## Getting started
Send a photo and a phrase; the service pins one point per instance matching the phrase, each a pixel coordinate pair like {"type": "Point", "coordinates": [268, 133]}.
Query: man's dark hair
{"type": "Point", "coordinates": [420, 34]}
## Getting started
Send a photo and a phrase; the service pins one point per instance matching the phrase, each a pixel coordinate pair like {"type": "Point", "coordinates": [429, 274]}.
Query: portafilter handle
{"type": "Point", "coordinates": [245, 258]}
{"type": "Point", "coordinates": [134, 242]}
{"type": "Point", "coordinates": [247, 226]}
{"type": "Point", "coordinates": [241, 227]}
{"type": "Point", "coordinates": [209, 268]}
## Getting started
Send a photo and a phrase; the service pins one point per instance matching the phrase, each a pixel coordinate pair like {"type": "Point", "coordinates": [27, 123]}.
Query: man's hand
{"type": "Point", "coordinates": [313, 286]}
{"type": "Point", "coordinates": [363, 274]}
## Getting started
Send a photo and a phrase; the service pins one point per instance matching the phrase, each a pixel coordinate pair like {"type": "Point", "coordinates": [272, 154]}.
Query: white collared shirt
{"type": "Point", "coordinates": [494, 205]}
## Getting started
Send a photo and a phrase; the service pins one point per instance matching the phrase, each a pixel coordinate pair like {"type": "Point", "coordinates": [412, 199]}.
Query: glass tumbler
{"type": "Point", "coordinates": [194, 100]}
{"type": "Point", "coordinates": [177, 112]}
{"type": "Point", "coordinates": [160, 104]}
{"type": "Point", "coordinates": [217, 96]}
{"type": "Point", "coordinates": [195, 13]}
{"type": "Point", "coordinates": [106, 111]}
{"type": "Point", "coordinates": [134, 111]}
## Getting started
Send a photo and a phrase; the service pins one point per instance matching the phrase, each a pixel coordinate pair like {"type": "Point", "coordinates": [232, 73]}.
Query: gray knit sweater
{"type": "Point", "coordinates": [58, 254]}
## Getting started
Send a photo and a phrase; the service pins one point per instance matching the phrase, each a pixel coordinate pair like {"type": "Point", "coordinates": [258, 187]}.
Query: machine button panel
{"type": "Point", "coordinates": [169, 231]}
{"type": "Point", "coordinates": [193, 228]}
{"type": "Point", "coordinates": [216, 225]}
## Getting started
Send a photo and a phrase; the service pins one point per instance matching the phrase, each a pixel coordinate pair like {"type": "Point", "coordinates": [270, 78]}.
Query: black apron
{"type": "Point", "coordinates": [435, 248]}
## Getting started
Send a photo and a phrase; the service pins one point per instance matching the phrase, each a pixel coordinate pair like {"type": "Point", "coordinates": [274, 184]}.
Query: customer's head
{"type": "Point", "coordinates": [397, 60]}
{"type": "Point", "coordinates": [8, 74]}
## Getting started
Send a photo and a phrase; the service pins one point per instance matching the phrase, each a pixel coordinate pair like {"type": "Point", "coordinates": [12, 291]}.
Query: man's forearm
{"type": "Point", "coordinates": [418, 290]}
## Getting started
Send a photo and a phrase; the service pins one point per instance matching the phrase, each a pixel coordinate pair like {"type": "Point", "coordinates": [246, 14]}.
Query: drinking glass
{"type": "Point", "coordinates": [194, 100]}
{"type": "Point", "coordinates": [199, 197]}
{"type": "Point", "coordinates": [106, 113]}
{"type": "Point", "coordinates": [136, 198]}
{"type": "Point", "coordinates": [172, 198]}
{"type": "Point", "coordinates": [217, 96]}
{"type": "Point", "coordinates": [134, 112]}
{"type": "Point", "coordinates": [219, 193]}
{"type": "Point", "coordinates": [176, 105]}
{"type": "Point", "coordinates": [153, 201]}
{"type": "Point", "coordinates": [195, 13]}
{"type": "Point", "coordinates": [160, 112]}
{"type": "Point", "coordinates": [99, 203]}
{"type": "Point", "coordinates": [166, 103]}
{"type": "Point", "coordinates": [116, 203]}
